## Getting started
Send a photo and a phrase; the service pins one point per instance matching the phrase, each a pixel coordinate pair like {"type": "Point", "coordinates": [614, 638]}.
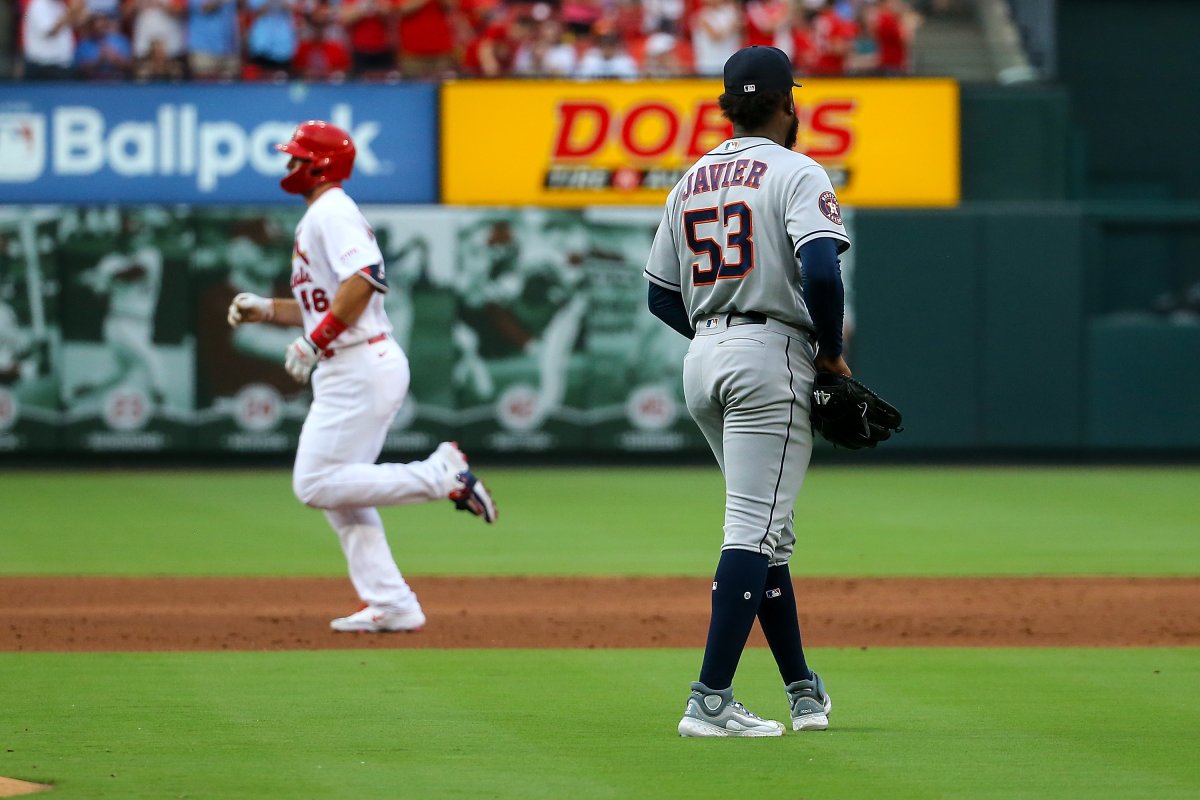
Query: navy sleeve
{"type": "Point", "coordinates": [668, 306]}
{"type": "Point", "coordinates": [821, 283]}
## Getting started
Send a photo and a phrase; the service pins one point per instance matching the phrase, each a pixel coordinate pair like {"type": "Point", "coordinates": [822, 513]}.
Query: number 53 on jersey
{"type": "Point", "coordinates": [734, 224]}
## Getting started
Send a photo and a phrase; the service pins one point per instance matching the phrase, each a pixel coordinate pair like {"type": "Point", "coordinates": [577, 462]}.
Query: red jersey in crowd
{"type": "Point", "coordinates": [425, 31]}
{"type": "Point", "coordinates": [477, 12]}
{"type": "Point", "coordinates": [804, 50]}
{"type": "Point", "coordinates": [762, 21]}
{"type": "Point", "coordinates": [499, 41]}
{"type": "Point", "coordinates": [369, 33]}
{"type": "Point", "coordinates": [317, 59]}
{"type": "Point", "coordinates": [834, 40]}
{"type": "Point", "coordinates": [891, 41]}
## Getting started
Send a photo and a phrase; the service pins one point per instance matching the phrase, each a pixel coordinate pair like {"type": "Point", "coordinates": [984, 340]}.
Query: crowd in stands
{"type": "Point", "coordinates": [331, 40]}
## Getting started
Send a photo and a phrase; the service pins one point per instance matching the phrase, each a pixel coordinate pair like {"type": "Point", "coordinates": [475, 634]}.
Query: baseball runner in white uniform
{"type": "Point", "coordinates": [360, 378]}
{"type": "Point", "coordinates": [745, 263]}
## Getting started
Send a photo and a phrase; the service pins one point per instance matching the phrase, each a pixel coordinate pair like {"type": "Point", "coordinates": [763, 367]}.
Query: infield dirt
{"type": "Point", "coordinates": [169, 614]}
{"type": "Point", "coordinates": [10, 787]}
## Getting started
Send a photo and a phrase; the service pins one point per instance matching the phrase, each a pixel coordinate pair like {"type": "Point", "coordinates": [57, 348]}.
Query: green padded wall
{"type": "Point", "coordinates": [1137, 92]}
{"type": "Point", "coordinates": [918, 330]}
{"type": "Point", "coordinates": [1143, 383]}
{"type": "Point", "coordinates": [1031, 268]}
{"type": "Point", "coordinates": [1017, 143]}
{"type": "Point", "coordinates": [972, 320]}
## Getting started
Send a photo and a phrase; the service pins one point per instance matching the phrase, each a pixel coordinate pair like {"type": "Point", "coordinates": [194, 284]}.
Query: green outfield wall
{"type": "Point", "coordinates": [1027, 326]}
{"type": "Point", "coordinates": [1032, 326]}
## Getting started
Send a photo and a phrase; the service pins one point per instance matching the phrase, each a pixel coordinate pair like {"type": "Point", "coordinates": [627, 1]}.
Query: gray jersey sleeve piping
{"type": "Point", "coordinates": [663, 282]}
{"type": "Point", "coordinates": [842, 240]}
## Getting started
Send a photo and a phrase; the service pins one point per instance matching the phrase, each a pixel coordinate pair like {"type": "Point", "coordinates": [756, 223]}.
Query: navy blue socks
{"type": "Point", "coordinates": [781, 625]}
{"type": "Point", "coordinates": [736, 598]}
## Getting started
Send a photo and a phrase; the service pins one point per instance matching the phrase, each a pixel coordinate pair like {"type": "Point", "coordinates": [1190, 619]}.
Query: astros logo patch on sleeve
{"type": "Point", "coordinates": [828, 203]}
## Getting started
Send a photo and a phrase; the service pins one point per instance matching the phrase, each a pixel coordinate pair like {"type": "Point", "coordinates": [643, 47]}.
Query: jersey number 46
{"type": "Point", "coordinates": [714, 263]}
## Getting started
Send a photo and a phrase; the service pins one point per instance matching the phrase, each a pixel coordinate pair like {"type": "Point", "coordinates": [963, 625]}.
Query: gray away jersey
{"type": "Point", "coordinates": [733, 225]}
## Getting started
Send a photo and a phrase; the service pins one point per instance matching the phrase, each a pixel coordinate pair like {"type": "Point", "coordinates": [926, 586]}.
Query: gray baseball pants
{"type": "Point", "coordinates": [749, 387]}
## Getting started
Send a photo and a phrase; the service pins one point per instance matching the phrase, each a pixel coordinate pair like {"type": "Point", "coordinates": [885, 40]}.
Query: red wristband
{"type": "Point", "coordinates": [327, 330]}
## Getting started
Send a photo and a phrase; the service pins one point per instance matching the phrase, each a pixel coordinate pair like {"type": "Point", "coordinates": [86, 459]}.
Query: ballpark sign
{"type": "Point", "coordinates": [201, 144]}
{"type": "Point", "coordinates": [562, 143]}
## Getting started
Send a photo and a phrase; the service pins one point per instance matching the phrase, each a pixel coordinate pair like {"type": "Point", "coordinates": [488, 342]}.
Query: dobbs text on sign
{"type": "Point", "coordinates": [562, 143]}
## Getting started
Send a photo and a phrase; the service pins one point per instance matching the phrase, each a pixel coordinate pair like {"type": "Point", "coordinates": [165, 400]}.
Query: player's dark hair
{"type": "Point", "coordinates": [750, 111]}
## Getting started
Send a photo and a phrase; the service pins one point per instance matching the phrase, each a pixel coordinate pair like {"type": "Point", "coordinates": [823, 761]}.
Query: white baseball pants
{"type": "Point", "coordinates": [356, 393]}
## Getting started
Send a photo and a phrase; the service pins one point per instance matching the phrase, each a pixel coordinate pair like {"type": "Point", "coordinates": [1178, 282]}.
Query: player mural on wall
{"type": "Point", "coordinates": [360, 378]}
{"type": "Point", "coordinates": [132, 281]}
{"type": "Point", "coordinates": [253, 270]}
{"type": "Point", "coordinates": [25, 346]}
{"type": "Point", "coordinates": [29, 337]}
{"type": "Point", "coordinates": [15, 343]}
{"type": "Point", "coordinates": [244, 402]}
{"type": "Point", "coordinates": [523, 299]}
{"type": "Point", "coordinates": [128, 352]}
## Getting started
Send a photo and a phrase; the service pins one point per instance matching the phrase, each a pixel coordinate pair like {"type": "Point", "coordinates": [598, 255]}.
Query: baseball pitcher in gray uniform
{"type": "Point", "coordinates": [745, 263]}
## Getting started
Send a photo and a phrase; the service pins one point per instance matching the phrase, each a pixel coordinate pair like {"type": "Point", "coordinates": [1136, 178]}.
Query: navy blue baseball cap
{"type": "Point", "coordinates": [758, 69]}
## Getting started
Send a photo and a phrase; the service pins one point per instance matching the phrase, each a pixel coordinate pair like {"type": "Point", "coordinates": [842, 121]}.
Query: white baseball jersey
{"type": "Point", "coordinates": [733, 225]}
{"type": "Point", "coordinates": [356, 395]}
{"type": "Point", "coordinates": [333, 242]}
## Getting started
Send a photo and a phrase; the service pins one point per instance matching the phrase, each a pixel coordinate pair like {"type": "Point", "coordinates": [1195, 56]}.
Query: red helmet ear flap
{"type": "Point", "coordinates": [327, 155]}
{"type": "Point", "coordinates": [299, 180]}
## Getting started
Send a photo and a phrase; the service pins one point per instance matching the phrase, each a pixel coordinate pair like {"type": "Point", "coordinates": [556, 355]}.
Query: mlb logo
{"type": "Point", "coordinates": [22, 147]}
{"type": "Point", "coordinates": [749, 87]}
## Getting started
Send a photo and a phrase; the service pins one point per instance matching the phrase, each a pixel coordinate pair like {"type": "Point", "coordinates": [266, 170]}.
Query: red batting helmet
{"type": "Point", "coordinates": [326, 153]}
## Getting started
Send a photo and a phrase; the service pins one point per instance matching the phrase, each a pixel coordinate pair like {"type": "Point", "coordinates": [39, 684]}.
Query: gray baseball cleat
{"type": "Point", "coordinates": [711, 713]}
{"type": "Point", "coordinates": [810, 704]}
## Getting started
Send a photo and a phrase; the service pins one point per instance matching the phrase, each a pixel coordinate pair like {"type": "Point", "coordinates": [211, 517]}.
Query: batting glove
{"type": "Point", "coordinates": [247, 307]}
{"type": "Point", "coordinates": [302, 358]}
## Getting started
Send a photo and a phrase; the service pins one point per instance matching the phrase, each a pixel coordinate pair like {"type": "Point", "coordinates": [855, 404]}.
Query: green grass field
{"type": "Point", "coordinates": [907, 723]}
{"type": "Point", "coordinates": [856, 521]}
{"type": "Point", "coordinates": [598, 724]}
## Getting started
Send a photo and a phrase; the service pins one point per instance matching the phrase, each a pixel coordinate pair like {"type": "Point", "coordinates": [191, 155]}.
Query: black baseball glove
{"type": "Point", "coordinates": [849, 414]}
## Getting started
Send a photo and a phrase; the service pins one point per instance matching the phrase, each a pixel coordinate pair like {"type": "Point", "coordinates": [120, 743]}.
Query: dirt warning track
{"type": "Point", "coordinates": [157, 614]}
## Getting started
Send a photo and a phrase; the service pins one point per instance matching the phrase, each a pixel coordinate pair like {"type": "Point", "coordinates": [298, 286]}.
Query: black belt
{"type": "Point", "coordinates": [757, 318]}
{"type": "Point", "coordinates": [749, 318]}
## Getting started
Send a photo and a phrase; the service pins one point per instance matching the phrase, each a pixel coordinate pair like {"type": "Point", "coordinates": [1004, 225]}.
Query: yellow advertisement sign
{"type": "Point", "coordinates": [884, 142]}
